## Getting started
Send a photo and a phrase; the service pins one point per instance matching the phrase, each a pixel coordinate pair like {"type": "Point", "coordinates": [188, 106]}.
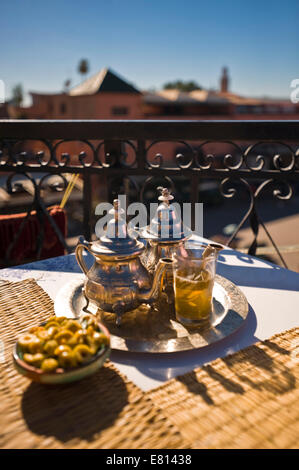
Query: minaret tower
{"type": "Point", "coordinates": [224, 80]}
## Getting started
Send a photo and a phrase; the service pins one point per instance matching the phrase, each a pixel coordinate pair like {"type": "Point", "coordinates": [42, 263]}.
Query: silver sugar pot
{"type": "Point", "coordinates": [164, 236]}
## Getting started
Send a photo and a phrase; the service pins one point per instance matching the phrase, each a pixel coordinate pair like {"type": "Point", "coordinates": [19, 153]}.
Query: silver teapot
{"type": "Point", "coordinates": [118, 282]}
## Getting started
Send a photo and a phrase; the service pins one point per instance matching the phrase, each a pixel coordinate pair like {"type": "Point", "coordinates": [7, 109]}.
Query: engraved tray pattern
{"type": "Point", "coordinates": [154, 329]}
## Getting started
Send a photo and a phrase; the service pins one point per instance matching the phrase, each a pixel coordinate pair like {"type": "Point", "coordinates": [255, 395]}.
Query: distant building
{"type": "Point", "coordinates": [105, 95]}
{"type": "Point", "coordinates": [102, 96]}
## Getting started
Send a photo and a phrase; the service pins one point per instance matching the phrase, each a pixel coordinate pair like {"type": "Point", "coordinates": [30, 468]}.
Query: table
{"type": "Point", "coordinates": [272, 293]}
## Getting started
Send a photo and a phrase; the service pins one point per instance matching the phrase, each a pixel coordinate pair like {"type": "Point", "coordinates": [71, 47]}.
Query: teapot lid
{"type": "Point", "coordinates": [116, 241]}
{"type": "Point", "coordinates": [166, 225]}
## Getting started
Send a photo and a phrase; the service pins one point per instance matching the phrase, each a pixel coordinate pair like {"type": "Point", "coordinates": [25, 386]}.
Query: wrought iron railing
{"type": "Point", "coordinates": [126, 151]}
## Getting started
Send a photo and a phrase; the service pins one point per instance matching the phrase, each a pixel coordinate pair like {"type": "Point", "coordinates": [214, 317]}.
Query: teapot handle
{"type": "Point", "coordinates": [82, 245]}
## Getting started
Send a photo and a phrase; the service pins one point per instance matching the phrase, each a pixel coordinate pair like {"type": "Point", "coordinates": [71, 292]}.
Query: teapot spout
{"type": "Point", "coordinates": [150, 295]}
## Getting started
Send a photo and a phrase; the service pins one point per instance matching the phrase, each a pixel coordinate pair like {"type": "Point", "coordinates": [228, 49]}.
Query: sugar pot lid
{"type": "Point", "coordinates": [166, 225]}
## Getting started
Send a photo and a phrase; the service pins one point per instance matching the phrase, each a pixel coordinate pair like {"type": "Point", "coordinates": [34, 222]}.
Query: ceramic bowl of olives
{"type": "Point", "coordinates": [62, 350]}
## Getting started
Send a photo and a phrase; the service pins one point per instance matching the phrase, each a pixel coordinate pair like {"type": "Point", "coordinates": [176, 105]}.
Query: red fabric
{"type": "Point", "coordinates": [25, 249]}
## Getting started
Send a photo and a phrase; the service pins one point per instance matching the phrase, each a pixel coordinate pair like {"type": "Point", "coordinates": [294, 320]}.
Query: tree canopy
{"type": "Point", "coordinates": [182, 85]}
{"type": "Point", "coordinates": [83, 66]}
{"type": "Point", "coordinates": [17, 95]}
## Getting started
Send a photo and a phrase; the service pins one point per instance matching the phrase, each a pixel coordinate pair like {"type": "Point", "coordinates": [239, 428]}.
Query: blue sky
{"type": "Point", "coordinates": [150, 42]}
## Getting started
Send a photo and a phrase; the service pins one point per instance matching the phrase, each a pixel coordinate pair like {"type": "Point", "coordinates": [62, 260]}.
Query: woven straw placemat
{"type": "Point", "coordinates": [246, 400]}
{"type": "Point", "coordinates": [103, 411]}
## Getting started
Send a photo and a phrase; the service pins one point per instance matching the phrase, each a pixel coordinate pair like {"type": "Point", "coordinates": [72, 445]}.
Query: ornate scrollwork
{"type": "Point", "coordinates": [277, 160]}
{"type": "Point", "coordinates": [137, 168]}
{"type": "Point", "coordinates": [123, 156]}
{"type": "Point", "coordinates": [158, 158]}
{"type": "Point", "coordinates": [37, 204]}
{"type": "Point", "coordinates": [259, 159]}
{"type": "Point", "coordinates": [252, 213]}
{"type": "Point", "coordinates": [13, 187]}
{"type": "Point", "coordinates": [114, 157]}
{"type": "Point", "coordinates": [185, 161]}
{"type": "Point", "coordinates": [233, 162]}
{"type": "Point", "coordinates": [182, 160]}
{"type": "Point", "coordinates": [44, 184]}
{"type": "Point", "coordinates": [21, 157]}
{"type": "Point", "coordinates": [228, 190]}
{"type": "Point", "coordinates": [66, 158]}
{"type": "Point", "coordinates": [278, 190]}
{"type": "Point", "coordinates": [207, 158]}
{"type": "Point", "coordinates": [207, 161]}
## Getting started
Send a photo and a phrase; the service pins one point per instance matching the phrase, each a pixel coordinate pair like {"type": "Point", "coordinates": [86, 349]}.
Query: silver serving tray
{"type": "Point", "coordinates": [155, 330]}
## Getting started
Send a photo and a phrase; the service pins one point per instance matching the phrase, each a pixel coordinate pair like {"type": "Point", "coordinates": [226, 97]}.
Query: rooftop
{"type": "Point", "coordinates": [104, 81]}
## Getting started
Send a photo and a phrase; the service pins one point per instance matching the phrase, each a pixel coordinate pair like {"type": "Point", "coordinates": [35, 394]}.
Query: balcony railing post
{"type": "Point", "coordinates": [114, 150]}
{"type": "Point", "coordinates": [87, 205]}
{"type": "Point", "coordinates": [140, 154]}
{"type": "Point", "coordinates": [193, 198]}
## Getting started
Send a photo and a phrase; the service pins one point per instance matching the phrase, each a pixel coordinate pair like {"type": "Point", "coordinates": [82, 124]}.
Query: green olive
{"type": "Point", "coordinates": [61, 349]}
{"type": "Point", "coordinates": [51, 323]}
{"type": "Point", "coordinates": [50, 347]}
{"type": "Point", "coordinates": [53, 318]}
{"type": "Point", "coordinates": [49, 365]}
{"type": "Point", "coordinates": [25, 340]}
{"type": "Point", "coordinates": [93, 348]}
{"type": "Point", "coordinates": [28, 358]}
{"type": "Point", "coordinates": [67, 359]}
{"type": "Point", "coordinates": [89, 320]}
{"type": "Point", "coordinates": [92, 345]}
{"type": "Point", "coordinates": [31, 343]}
{"type": "Point", "coordinates": [52, 331]}
{"type": "Point", "coordinates": [82, 353]}
{"type": "Point", "coordinates": [79, 337]}
{"type": "Point", "coordinates": [100, 339]}
{"type": "Point", "coordinates": [72, 325]}
{"type": "Point", "coordinates": [72, 342]}
{"type": "Point", "coordinates": [35, 329]}
{"type": "Point", "coordinates": [36, 345]}
{"type": "Point", "coordinates": [90, 330]}
{"type": "Point", "coordinates": [63, 336]}
{"type": "Point", "coordinates": [38, 359]}
{"type": "Point", "coordinates": [42, 334]}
